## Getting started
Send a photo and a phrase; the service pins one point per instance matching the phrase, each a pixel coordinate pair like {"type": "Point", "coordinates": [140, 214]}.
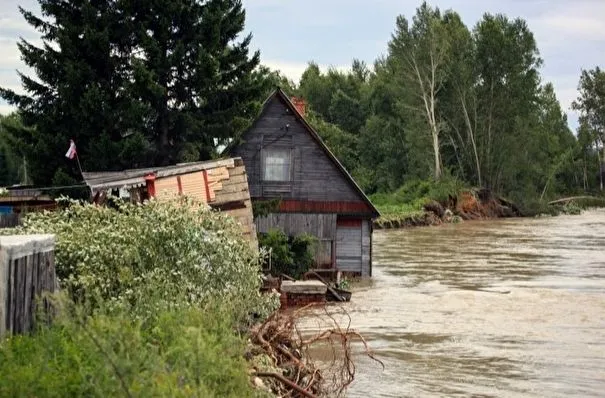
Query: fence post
{"type": "Point", "coordinates": [27, 269]}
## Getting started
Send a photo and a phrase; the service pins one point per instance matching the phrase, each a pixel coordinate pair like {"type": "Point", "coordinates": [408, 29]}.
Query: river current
{"type": "Point", "coordinates": [505, 308]}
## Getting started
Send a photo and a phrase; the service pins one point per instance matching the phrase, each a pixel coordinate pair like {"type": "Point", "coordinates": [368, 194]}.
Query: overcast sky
{"type": "Point", "coordinates": [289, 34]}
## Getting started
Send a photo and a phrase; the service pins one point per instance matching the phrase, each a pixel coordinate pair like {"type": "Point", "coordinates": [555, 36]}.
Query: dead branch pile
{"type": "Point", "coordinates": [283, 360]}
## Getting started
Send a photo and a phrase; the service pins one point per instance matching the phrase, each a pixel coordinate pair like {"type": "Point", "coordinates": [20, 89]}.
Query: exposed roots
{"type": "Point", "coordinates": [292, 371]}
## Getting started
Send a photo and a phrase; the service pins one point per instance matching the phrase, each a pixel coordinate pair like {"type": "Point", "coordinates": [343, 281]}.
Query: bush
{"type": "Point", "coordinates": [181, 353]}
{"type": "Point", "coordinates": [289, 255]}
{"type": "Point", "coordinates": [409, 199]}
{"type": "Point", "coordinates": [160, 254]}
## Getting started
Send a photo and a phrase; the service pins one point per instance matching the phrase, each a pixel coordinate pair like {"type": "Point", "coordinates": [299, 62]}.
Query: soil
{"type": "Point", "coordinates": [476, 204]}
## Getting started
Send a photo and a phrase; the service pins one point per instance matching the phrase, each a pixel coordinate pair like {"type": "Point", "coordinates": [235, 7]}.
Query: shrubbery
{"type": "Point", "coordinates": [409, 199]}
{"type": "Point", "coordinates": [161, 254]}
{"type": "Point", "coordinates": [180, 353]}
{"type": "Point", "coordinates": [154, 296]}
{"type": "Point", "coordinates": [291, 255]}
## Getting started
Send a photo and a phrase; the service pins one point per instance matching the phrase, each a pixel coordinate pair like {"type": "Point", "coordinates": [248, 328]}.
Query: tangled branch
{"type": "Point", "coordinates": [290, 351]}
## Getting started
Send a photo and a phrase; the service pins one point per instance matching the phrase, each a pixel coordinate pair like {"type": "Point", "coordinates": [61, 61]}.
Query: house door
{"type": "Point", "coordinates": [348, 245]}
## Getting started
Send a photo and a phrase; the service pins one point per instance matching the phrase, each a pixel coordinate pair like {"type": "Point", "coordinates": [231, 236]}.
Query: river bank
{"type": "Point", "coordinates": [477, 204]}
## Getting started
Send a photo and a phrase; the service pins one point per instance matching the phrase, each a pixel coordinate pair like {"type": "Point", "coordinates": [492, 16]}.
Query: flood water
{"type": "Point", "coordinates": [506, 308]}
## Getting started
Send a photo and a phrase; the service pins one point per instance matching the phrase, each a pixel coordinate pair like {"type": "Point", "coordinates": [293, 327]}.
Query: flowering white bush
{"type": "Point", "coordinates": [151, 255]}
{"type": "Point", "coordinates": [3, 192]}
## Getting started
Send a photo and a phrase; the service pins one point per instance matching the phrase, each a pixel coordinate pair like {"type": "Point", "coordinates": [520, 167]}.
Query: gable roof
{"type": "Point", "coordinates": [281, 95]}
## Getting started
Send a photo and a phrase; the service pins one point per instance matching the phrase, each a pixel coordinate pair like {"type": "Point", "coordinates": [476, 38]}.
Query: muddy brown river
{"type": "Point", "coordinates": [507, 308]}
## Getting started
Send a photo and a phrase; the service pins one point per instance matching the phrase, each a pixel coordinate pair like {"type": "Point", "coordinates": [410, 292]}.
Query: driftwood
{"type": "Point", "coordinates": [322, 280]}
{"type": "Point", "coordinates": [566, 200]}
{"type": "Point", "coordinates": [280, 340]}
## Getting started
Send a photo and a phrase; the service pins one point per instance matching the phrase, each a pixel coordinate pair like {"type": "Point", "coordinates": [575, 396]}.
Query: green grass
{"type": "Point", "coordinates": [406, 203]}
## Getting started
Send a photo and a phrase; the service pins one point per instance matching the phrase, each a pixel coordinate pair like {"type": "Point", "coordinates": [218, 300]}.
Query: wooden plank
{"type": "Point", "coordinates": [348, 248]}
{"type": "Point", "coordinates": [231, 197]}
{"type": "Point", "coordinates": [230, 187]}
{"type": "Point", "coordinates": [23, 264]}
{"type": "Point", "coordinates": [10, 296]}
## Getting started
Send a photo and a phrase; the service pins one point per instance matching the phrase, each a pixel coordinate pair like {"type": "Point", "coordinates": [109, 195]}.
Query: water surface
{"type": "Point", "coordinates": [507, 308]}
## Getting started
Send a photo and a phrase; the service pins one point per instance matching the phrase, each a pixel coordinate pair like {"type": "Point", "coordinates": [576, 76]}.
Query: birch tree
{"type": "Point", "coordinates": [419, 53]}
{"type": "Point", "coordinates": [591, 104]}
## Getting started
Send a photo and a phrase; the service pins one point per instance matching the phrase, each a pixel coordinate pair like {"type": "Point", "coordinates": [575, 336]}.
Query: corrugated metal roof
{"type": "Point", "coordinates": [136, 177]}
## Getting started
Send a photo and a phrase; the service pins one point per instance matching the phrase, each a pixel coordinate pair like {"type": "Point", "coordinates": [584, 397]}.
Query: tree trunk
{"type": "Point", "coordinates": [437, 156]}
{"type": "Point", "coordinates": [471, 135]}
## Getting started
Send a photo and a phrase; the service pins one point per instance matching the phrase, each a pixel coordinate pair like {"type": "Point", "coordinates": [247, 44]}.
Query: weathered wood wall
{"type": "Point", "coordinates": [348, 248]}
{"type": "Point", "coordinates": [366, 247]}
{"type": "Point", "coordinates": [10, 220]}
{"type": "Point", "coordinates": [27, 269]}
{"type": "Point", "coordinates": [322, 226]}
{"type": "Point", "coordinates": [313, 175]}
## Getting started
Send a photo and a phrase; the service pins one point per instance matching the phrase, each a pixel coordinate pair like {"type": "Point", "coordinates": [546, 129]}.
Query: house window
{"type": "Point", "coordinates": [276, 164]}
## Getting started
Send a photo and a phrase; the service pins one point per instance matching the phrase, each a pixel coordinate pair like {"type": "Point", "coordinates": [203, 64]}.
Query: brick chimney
{"type": "Point", "coordinates": [300, 104]}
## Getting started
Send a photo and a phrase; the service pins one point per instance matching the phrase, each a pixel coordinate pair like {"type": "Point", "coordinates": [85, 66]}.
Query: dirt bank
{"type": "Point", "coordinates": [475, 204]}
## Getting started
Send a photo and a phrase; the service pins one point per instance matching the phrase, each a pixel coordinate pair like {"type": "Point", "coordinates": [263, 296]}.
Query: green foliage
{"type": "Point", "coordinates": [450, 99]}
{"type": "Point", "coordinates": [344, 284]}
{"type": "Point", "coordinates": [134, 85]}
{"type": "Point", "coordinates": [418, 192]}
{"type": "Point", "coordinates": [292, 255]}
{"type": "Point", "coordinates": [179, 353]}
{"type": "Point", "coordinates": [261, 208]}
{"type": "Point", "coordinates": [151, 256]}
{"type": "Point", "coordinates": [591, 105]}
{"type": "Point", "coordinates": [153, 297]}
{"type": "Point", "coordinates": [10, 169]}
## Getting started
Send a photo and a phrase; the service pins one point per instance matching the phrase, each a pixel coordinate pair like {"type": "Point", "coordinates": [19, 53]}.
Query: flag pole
{"type": "Point", "coordinates": [79, 165]}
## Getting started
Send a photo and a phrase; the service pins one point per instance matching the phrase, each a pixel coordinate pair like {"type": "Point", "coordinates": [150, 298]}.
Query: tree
{"type": "Point", "coordinates": [591, 104]}
{"type": "Point", "coordinates": [10, 169]}
{"type": "Point", "coordinates": [420, 54]}
{"type": "Point", "coordinates": [507, 94]}
{"type": "Point", "coordinates": [134, 83]}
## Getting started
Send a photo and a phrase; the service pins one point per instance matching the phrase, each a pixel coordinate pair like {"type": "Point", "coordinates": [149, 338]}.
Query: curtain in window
{"type": "Point", "coordinates": [277, 165]}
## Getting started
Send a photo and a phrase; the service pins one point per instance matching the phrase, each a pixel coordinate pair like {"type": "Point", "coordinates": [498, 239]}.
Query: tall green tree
{"type": "Point", "coordinates": [591, 104]}
{"type": "Point", "coordinates": [11, 168]}
{"type": "Point", "coordinates": [420, 54]}
{"type": "Point", "coordinates": [134, 82]}
{"type": "Point", "coordinates": [507, 91]}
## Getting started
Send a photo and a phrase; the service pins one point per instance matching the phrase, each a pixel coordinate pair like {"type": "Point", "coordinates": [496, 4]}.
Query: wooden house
{"type": "Point", "coordinates": [19, 200]}
{"type": "Point", "coordinates": [285, 158]}
{"type": "Point", "coordinates": [222, 184]}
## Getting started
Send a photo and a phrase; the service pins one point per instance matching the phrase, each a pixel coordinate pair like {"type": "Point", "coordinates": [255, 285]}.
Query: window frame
{"type": "Point", "coordinates": [265, 155]}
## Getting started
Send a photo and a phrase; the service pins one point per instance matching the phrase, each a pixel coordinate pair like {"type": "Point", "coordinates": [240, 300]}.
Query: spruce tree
{"type": "Point", "coordinates": [134, 83]}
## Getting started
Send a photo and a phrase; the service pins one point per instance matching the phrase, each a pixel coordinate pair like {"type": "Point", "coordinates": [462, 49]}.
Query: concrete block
{"type": "Point", "coordinates": [303, 287]}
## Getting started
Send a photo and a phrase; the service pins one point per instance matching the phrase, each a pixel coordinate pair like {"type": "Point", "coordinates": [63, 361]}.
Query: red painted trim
{"type": "Point", "coordinates": [150, 179]}
{"type": "Point", "coordinates": [348, 222]}
{"type": "Point", "coordinates": [309, 206]}
{"type": "Point", "coordinates": [180, 184]}
{"type": "Point", "coordinates": [205, 174]}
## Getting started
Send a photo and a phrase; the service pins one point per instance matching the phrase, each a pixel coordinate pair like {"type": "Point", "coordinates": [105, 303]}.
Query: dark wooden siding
{"type": "Point", "coordinates": [314, 176]}
{"type": "Point", "coordinates": [322, 226]}
{"type": "Point", "coordinates": [348, 248]}
{"type": "Point", "coordinates": [366, 247]}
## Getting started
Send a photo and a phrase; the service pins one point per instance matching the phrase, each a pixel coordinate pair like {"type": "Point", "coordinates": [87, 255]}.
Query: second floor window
{"type": "Point", "coordinates": [276, 164]}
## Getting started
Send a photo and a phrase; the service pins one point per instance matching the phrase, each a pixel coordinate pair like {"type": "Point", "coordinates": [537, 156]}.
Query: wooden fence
{"type": "Point", "coordinates": [10, 220]}
{"type": "Point", "coordinates": [27, 270]}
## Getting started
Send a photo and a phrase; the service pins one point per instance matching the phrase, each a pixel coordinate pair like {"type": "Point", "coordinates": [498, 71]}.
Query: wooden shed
{"type": "Point", "coordinates": [285, 158]}
{"type": "Point", "coordinates": [222, 184]}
